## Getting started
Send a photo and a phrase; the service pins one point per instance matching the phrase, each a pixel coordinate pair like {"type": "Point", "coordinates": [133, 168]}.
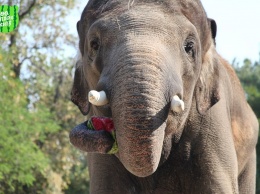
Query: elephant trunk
{"type": "Point", "coordinates": [140, 108]}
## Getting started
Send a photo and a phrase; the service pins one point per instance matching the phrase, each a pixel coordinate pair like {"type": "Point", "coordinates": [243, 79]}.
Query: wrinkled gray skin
{"type": "Point", "coordinates": [142, 53]}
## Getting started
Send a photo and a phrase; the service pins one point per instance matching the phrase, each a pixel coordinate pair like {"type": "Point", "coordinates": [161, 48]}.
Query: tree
{"type": "Point", "coordinates": [21, 158]}
{"type": "Point", "coordinates": [249, 75]}
{"type": "Point", "coordinates": [41, 70]}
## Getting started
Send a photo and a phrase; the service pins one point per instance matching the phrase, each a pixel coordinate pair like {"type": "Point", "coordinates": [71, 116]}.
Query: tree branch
{"type": "Point", "coordinates": [57, 90]}
{"type": "Point", "coordinates": [41, 69]}
{"type": "Point", "coordinates": [17, 67]}
{"type": "Point", "coordinates": [23, 13]}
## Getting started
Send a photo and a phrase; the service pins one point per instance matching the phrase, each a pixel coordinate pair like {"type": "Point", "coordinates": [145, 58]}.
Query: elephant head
{"type": "Point", "coordinates": [144, 54]}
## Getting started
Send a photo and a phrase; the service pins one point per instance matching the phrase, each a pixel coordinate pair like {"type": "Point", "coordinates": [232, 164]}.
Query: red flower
{"type": "Point", "coordinates": [102, 123]}
{"type": "Point", "coordinates": [109, 124]}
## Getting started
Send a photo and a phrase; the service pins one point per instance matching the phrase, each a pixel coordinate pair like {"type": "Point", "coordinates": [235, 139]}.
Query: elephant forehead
{"type": "Point", "coordinates": [142, 21]}
{"type": "Point", "coordinates": [192, 10]}
{"type": "Point", "coordinates": [154, 18]}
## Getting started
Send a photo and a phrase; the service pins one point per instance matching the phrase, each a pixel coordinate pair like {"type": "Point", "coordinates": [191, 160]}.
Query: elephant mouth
{"type": "Point", "coordinates": [96, 135]}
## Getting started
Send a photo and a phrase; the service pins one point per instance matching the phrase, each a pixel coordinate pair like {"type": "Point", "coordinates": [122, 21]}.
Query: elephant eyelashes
{"type": "Point", "coordinates": [189, 48]}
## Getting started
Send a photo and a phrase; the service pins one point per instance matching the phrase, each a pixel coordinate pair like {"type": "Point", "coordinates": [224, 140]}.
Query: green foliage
{"type": "Point", "coordinates": [21, 129]}
{"type": "Point", "coordinates": [79, 179]}
{"type": "Point", "coordinates": [36, 113]}
{"type": "Point", "coordinates": [249, 75]}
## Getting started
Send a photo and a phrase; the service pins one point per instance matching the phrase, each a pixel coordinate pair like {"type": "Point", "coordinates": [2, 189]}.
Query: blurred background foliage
{"type": "Point", "coordinates": [249, 75]}
{"type": "Point", "coordinates": [36, 114]}
{"type": "Point", "coordinates": [36, 71]}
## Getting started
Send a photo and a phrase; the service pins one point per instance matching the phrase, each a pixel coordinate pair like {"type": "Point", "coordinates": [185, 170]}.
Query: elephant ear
{"type": "Point", "coordinates": [213, 27]}
{"type": "Point", "coordinates": [79, 90]}
{"type": "Point", "coordinates": [207, 87]}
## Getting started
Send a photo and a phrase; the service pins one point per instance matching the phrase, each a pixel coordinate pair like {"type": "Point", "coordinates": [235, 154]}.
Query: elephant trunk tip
{"type": "Point", "coordinates": [141, 154]}
{"type": "Point", "coordinates": [144, 173]}
{"type": "Point", "coordinates": [142, 168]}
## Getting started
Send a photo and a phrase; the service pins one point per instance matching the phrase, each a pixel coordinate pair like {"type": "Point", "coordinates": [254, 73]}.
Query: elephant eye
{"type": "Point", "coordinates": [189, 48]}
{"type": "Point", "coordinates": [94, 44]}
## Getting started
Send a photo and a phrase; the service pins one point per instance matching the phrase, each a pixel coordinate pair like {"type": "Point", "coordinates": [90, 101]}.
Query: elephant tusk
{"type": "Point", "coordinates": [97, 98]}
{"type": "Point", "coordinates": [177, 105]}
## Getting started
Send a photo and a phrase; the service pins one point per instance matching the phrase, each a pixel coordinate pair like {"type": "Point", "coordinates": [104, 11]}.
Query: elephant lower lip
{"type": "Point", "coordinates": [88, 140]}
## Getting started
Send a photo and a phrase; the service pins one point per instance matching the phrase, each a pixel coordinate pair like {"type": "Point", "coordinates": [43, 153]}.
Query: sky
{"type": "Point", "coordinates": [238, 22]}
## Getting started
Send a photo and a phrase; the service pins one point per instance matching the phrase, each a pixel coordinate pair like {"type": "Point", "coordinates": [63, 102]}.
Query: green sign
{"type": "Point", "coordinates": [9, 18]}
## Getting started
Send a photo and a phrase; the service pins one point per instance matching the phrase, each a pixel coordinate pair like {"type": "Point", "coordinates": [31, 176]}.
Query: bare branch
{"type": "Point", "coordinates": [24, 59]}
{"type": "Point", "coordinates": [17, 67]}
{"type": "Point", "coordinates": [23, 13]}
{"type": "Point", "coordinates": [41, 69]}
{"type": "Point", "coordinates": [57, 90]}
{"type": "Point", "coordinates": [12, 39]}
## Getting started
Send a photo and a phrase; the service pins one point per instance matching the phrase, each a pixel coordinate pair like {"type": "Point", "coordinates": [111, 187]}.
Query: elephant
{"type": "Point", "coordinates": [181, 118]}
